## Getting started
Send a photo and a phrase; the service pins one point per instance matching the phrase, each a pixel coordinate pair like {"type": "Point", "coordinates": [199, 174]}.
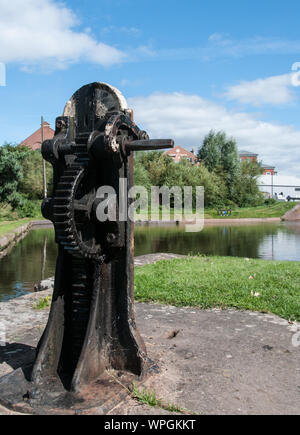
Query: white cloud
{"type": "Point", "coordinates": [123, 29]}
{"type": "Point", "coordinates": [218, 46]}
{"type": "Point", "coordinates": [188, 118]}
{"type": "Point", "coordinates": [43, 31]}
{"type": "Point", "coordinates": [271, 90]}
{"type": "Point", "coordinates": [224, 44]}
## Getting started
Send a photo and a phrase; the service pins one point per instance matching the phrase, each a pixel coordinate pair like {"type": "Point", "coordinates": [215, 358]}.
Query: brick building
{"type": "Point", "coordinates": [178, 153]}
{"type": "Point", "coordinates": [268, 169]}
{"type": "Point", "coordinates": [246, 155]}
{"type": "Point", "coordinates": [35, 140]}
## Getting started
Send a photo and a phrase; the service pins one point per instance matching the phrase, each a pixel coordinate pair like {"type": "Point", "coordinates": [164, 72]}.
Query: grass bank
{"type": "Point", "coordinates": [246, 284]}
{"type": "Point", "coordinates": [264, 211]}
{"type": "Point", "coordinates": [8, 226]}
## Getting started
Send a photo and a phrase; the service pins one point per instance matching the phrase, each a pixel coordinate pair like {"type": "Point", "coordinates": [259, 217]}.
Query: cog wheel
{"type": "Point", "coordinates": [74, 225]}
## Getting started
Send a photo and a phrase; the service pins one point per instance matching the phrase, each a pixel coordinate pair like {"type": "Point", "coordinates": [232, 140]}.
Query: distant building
{"type": "Point", "coordinates": [268, 169]}
{"type": "Point", "coordinates": [35, 140]}
{"type": "Point", "coordinates": [178, 153]}
{"type": "Point", "coordinates": [246, 155]}
{"type": "Point", "coordinates": [279, 186]}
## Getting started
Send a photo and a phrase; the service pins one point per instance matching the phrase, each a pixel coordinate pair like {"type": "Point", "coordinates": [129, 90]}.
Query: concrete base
{"type": "Point", "coordinates": [210, 361]}
{"type": "Point", "coordinates": [98, 398]}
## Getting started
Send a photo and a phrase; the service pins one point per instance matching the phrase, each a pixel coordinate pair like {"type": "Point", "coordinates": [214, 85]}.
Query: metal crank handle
{"type": "Point", "coordinates": [145, 145]}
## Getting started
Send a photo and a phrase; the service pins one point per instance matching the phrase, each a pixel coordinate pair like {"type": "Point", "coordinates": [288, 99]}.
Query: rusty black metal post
{"type": "Point", "coordinates": [91, 327]}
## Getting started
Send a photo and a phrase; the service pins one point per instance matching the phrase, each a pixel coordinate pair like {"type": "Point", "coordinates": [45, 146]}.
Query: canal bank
{"type": "Point", "coordinates": [10, 238]}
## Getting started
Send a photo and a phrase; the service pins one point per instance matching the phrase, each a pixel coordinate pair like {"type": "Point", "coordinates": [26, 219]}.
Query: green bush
{"type": "Point", "coordinates": [270, 201]}
{"type": "Point", "coordinates": [29, 209]}
{"type": "Point", "coordinates": [6, 212]}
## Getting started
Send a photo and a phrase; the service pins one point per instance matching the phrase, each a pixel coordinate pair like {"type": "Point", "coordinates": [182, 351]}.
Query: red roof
{"type": "Point", "coordinates": [178, 153]}
{"type": "Point", "coordinates": [35, 140]}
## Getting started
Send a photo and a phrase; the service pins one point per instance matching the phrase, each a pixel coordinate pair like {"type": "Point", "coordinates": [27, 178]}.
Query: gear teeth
{"type": "Point", "coordinates": [63, 209]}
{"type": "Point", "coordinates": [63, 214]}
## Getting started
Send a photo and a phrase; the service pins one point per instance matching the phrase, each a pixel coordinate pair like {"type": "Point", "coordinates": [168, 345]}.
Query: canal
{"type": "Point", "coordinates": [33, 259]}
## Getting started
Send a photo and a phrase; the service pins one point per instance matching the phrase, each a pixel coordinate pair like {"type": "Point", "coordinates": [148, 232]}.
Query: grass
{"type": "Point", "coordinates": [43, 303]}
{"type": "Point", "coordinates": [276, 210]}
{"type": "Point", "coordinates": [223, 282]}
{"type": "Point", "coordinates": [149, 398]}
{"type": "Point", "coordinates": [263, 211]}
{"type": "Point", "coordinates": [9, 226]}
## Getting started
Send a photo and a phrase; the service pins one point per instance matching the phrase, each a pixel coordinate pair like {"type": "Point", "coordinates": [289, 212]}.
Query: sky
{"type": "Point", "coordinates": [184, 67]}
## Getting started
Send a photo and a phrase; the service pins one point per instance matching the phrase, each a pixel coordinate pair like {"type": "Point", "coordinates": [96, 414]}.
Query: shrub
{"type": "Point", "coordinates": [6, 212]}
{"type": "Point", "coordinates": [29, 209]}
{"type": "Point", "coordinates": [270, 201]}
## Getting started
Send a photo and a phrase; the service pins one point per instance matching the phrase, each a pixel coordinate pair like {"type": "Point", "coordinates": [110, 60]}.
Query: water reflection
{"type": "Point", "coordinates": [34, 257]}
{"type": "Point", "coordinates": [226, 240]}
{"type": "Point", "coordinates": [30, 260]}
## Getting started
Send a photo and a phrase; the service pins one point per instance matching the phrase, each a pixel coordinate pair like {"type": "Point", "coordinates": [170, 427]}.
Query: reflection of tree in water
{"type": "Point", "coordinates": [26, 263]}
{"type": "Point", "coordinates": [237, 241]}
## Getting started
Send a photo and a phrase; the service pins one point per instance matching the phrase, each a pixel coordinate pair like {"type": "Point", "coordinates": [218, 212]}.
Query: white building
{"type": "Point", "coordinates": [278, 186]}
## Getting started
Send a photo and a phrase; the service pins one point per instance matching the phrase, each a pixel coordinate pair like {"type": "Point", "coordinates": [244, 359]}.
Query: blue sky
{"type": "Point", "coordinates": [185, 67]}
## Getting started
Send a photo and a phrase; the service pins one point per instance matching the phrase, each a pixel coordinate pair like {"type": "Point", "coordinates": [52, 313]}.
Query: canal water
{"type": "Point", "coordinates": [33, 259]}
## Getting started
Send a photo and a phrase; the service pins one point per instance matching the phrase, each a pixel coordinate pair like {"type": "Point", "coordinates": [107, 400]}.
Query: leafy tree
{"type": "Point", "coordinates": [32, 167]}
{"type": "Point", "coordinates": [10, 176]}
{"type": "Point", "coordinates": [21, 179]}
{"type": "Point", "coordinates": [141, 175]}
{"type": "Point", "coordinates": [245, 190]}
{"type": "Point", "coordinates": [229, 156]}
{"type": "Point", "coordinates": [210, 152]}
{"type": "Point", "coordinates": [162, 171]}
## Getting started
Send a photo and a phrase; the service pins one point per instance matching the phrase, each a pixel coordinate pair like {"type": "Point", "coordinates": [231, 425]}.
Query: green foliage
{"type": "Point", "coordinates": [147, 397]}
{"type": "Point", "coordinates": [11, 176]}
{"type": "Point", "coordinates": [6, 212]}
{"type": "Point", "coordinates": [245, 191]}
{"type": "Point", "coordinates": [210, 152]}
{"type": "Point", "coordinates": [220, 156]}
{"type": "Point", "coordinates": [43, 303]}
{"type": "Point", "coordinates": [29, 209]}
{"type": "Point", "coordinates": [32, 169]}
{"type": "Point", "coordinates": [270, 201]}
{"type": "Point", "coordinates": [21, 181]}
{"type": "Point", "coordinates": [270, 210]}
{"type": "Point", "coordinates": [141, 175]}
{"type": "Point", "coordinates": [155, 169]}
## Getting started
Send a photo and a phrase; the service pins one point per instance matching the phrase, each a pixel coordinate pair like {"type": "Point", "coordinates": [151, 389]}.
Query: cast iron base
{"type": "Point", "coordinates": [96, 399]}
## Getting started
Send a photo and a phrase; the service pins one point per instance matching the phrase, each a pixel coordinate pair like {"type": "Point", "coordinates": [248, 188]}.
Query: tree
{"type": "Point", "coordinates": [32, 167]}
{"type": "Point", "coordinates": [245, 189]}
{"type": "Point", "coordinates": [141, 175]}
{"type": "Point", "coordinates": [21, 175]}
{"type": "Point", "coordinates": [11, 176]}
{"type": "Point", "coordinates": [210, 152]}
{"type": "Point", "coordinates": [220, 155]}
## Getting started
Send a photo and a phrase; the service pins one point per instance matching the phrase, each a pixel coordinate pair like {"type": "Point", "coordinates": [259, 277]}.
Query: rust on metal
{"type": "Point", "coordinates": [91, 328]}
